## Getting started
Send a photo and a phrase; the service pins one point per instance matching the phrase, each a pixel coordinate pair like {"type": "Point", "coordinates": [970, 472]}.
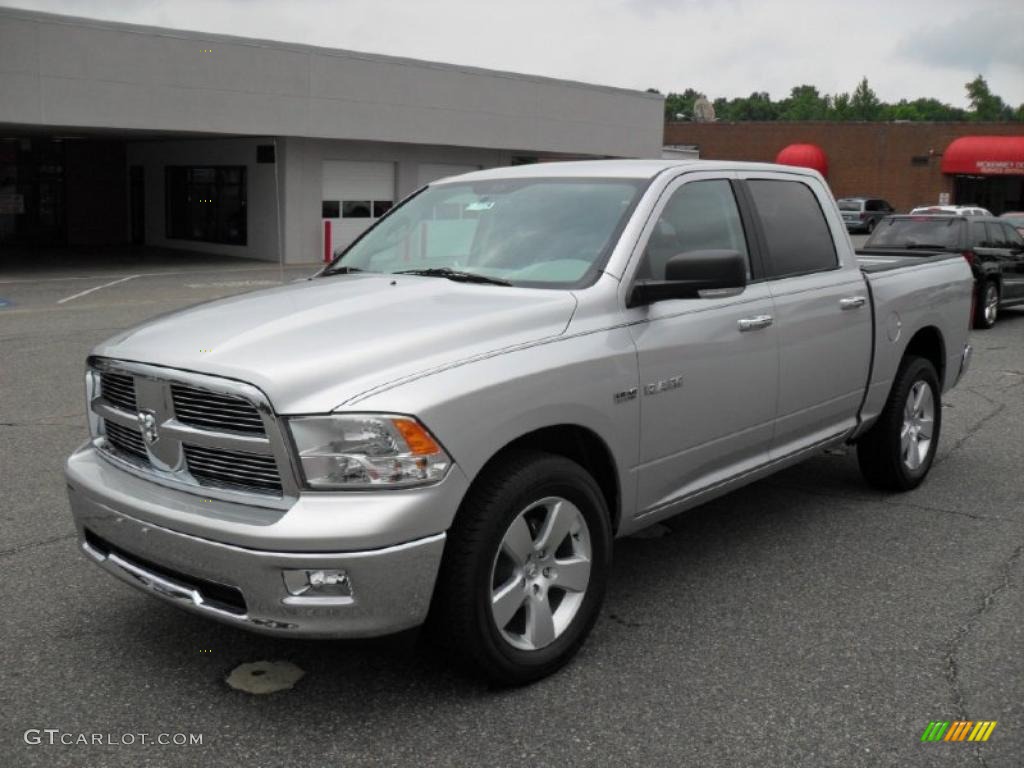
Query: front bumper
{"type": "Point", "coordinates": [386, 589]}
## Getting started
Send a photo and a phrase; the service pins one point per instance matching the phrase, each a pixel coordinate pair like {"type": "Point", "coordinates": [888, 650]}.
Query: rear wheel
{"type": "Point", "coordinates": [898, 450]}
{"type": "Point", "coordinates": [987, 306]}
{"type": "Point", "coordinates": [524, 570]}
{"type": "Point", "coordinates": [871, 226]}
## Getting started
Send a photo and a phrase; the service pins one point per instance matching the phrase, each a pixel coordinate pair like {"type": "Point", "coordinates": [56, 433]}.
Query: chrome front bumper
{"type": "Point", "coordinates": [384, 589]}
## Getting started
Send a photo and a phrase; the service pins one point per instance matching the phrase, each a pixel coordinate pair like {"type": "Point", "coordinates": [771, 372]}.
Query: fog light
{"type": "Point", "coordinates": [324, 582]}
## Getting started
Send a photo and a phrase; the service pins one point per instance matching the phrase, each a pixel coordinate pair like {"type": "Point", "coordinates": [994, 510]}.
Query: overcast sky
{"type": "Point", "coordinates": [906, 48]}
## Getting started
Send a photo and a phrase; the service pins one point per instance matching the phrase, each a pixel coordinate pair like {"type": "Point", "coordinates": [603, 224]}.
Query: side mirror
{"type": "Point", "coordinates": [687, 274]}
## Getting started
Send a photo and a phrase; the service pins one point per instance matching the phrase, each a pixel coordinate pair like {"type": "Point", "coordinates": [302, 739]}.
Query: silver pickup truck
{"type": "Point", "coordinates": [453, 421]}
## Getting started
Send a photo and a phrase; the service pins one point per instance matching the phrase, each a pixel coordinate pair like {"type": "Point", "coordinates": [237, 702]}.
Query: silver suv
{"type": "Point", "coordinates": [862, 214]}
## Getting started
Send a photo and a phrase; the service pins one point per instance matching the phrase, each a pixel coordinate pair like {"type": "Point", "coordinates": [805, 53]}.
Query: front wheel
{"type": "Point", "coordinates": [898, 450]}
{"type": "Point", "coordinates": [524, 570]}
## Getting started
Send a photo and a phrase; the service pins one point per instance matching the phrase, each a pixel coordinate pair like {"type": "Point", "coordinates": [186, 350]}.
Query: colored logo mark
{"type": "Point", "coordinates": [958, 730]}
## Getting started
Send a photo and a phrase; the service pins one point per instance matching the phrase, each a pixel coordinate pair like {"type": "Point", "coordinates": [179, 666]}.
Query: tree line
{"type": "Point", "coordinates": [805, 102]}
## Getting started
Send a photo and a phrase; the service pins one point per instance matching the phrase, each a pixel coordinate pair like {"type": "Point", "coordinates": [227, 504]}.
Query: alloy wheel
{"type": "Point", "coordinates": [918, 425]}
{"type": "Point", "coordinates": [540, 573]}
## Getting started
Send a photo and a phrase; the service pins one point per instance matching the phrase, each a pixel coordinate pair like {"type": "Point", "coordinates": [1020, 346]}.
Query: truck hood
{"type": "Point", "coordinates": [312, 346]}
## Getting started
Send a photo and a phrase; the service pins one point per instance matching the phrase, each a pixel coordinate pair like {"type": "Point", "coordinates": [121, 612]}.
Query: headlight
{"type": "Point", "coordinates": [367, 451]}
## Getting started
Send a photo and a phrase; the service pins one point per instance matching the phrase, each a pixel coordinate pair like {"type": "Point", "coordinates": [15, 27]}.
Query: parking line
{"type": "Point", "coordinates": [98, 287]}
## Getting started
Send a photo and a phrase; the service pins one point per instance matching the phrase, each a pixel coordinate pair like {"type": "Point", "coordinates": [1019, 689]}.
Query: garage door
{"type": "Point", "coordinates": [354, 195]}
{"type": "Point", "coordinates": [433, 171]}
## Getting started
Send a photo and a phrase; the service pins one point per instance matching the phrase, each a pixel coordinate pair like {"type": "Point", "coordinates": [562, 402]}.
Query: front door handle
{"type": "Point", "coordinates": [852, 302]}
{"type": "Point", "coordinates": [755, 323]}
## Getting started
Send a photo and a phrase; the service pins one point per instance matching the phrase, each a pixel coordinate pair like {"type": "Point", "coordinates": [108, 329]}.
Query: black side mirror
{"type": "Point", "coordinates": [687, 274]}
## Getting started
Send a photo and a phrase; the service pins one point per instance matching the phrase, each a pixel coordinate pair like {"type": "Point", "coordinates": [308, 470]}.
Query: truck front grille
{"type": "Point", "coordinates": [126, 440]}
{"type": "Point", "coordinates": [233, 469]}
{"type": "Point", "coordinates": [212, 410]}
{"type": "Point", "coordinates": [119, 390]}
{"type": "Point", "coordinates": [209, 435]}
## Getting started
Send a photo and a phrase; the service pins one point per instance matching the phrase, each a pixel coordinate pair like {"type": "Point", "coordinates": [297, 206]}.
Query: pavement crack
{"type": "Point", "coordinates": [953, 675]}
{"type": "Point", "coordinates": [893, 502]}
{"type": "Point", "coordinates": [34, 544]}
{"type": "Point", "coordinates": [971, 432]}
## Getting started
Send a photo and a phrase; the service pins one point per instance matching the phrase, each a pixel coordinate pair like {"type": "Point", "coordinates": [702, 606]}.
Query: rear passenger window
{"type": "Point", "coordinates": [700, 216]}
{"type": "Point", "coordinates": [979, 237]}
{"type": "Point", "coordinates": [798, 237]}
{"type": "Point", "coordinates": [1013, 238]}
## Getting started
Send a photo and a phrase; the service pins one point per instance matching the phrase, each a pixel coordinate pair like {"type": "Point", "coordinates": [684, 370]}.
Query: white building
{"type": "Point", "coordinates": [117, 133]}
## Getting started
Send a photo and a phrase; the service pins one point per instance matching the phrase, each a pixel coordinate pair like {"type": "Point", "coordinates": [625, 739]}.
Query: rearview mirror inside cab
{"type": "Point", "coordinates": [687, 274]}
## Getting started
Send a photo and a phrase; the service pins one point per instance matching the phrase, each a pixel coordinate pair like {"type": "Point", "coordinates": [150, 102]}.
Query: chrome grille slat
{"type": "Point", "coordinates": [127, 440]}
{"type": "Point", "coordinates": [119, 389]}
{"type": "Point", "coordinates": [205, 408]}
{"type": "Point", "coordinates": [242, 469]}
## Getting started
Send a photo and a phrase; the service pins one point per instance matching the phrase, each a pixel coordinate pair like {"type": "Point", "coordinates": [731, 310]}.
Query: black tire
{"type": "Point", "coordinates": [871, 226]}
{"type": "Point", "coordinates": [461, 619]}
{"type": "Point", "coordinates": [879, 451]}
{"type": "Point", "coordinates": [986, 290]}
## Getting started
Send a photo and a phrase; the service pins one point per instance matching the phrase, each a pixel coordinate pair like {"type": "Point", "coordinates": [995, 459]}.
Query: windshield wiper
{"type": "Point", "coordinates": [924, 246]}
{"type": "Point", "coordinates": [342, 271]}
{"type": "Point", "coordinates": [454, 274]}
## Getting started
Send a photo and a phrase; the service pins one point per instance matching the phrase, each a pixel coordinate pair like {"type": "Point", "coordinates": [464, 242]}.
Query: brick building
{"type": "Point", "coordinates": [905, 163]}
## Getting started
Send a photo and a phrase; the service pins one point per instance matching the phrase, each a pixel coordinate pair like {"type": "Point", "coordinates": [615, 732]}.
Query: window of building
{"type": "Point", "coordinates": [919, 160]}
{"type": "Point", "coordinates": [700, 216]}
{"type": "Point", "coordinates": [206, 203]}
{"type": "Point", "coordinates": [330, 209]}
{"type": "Point", "coordinates": [797, 234]}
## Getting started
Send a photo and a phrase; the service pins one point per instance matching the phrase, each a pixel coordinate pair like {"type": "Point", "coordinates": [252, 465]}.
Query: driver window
{"type": "Point", "coordinates": [700, 216]}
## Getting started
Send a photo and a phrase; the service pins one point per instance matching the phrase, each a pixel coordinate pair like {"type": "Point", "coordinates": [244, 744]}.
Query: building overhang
{"type": "Point", "coordinates": [985, 156]}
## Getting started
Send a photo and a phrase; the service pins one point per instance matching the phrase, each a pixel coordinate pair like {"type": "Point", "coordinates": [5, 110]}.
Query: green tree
{"type": "Point", "coordinates": [679, 106]}
{"type": "Point", "coordinates": [804, 103]}
{"type": "Point", "coordinates": [864, 104]}
{"type": "Point", "coordinates": [985, 105]}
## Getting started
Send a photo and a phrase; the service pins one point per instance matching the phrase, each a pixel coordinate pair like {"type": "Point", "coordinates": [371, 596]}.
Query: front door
{"type": "Point", "coordinates": [708, 366]}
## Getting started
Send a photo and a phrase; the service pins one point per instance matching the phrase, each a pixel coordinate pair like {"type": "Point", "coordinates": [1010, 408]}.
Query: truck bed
{"type": "Point", "coordinates": [882, 260]}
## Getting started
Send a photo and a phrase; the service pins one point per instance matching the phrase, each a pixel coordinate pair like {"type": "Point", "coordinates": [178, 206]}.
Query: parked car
{"type": "Point", "coordinates": [453, 420]}
{"type": "Point", "coordinates": [993, 247]}
{"type": "Point", "coordinates": [957, 210]}
{"type": "Point", "coordinates": [862, 214]}
{"type": "Point", "coordinates": [1016, 218]}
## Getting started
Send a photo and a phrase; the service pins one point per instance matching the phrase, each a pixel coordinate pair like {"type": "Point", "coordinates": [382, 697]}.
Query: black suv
{"type": "Point", "coordinates": [993, 248]}
{"type": "Point", "coordinates": [862, 214]}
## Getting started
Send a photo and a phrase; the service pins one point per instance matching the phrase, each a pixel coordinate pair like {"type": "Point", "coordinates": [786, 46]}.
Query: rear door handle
{"type": "Point", "coordinates": [755, 323]}
{"type": "Point", "coordinates": [852, 302]}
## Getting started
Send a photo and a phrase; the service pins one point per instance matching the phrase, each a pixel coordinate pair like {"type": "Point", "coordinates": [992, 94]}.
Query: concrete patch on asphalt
{"type": "Point", "coordinates": [261, 677]}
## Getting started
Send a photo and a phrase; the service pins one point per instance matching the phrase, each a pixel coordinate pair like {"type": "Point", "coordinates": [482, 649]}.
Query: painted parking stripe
{"type": "Point", "coordinates": [80, 294]}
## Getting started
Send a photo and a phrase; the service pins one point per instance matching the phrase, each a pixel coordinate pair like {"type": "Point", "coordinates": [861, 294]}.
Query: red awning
{"type": "Point", "coordinates": [804, 156]}
{"type": "Point", "coordinates": [985, 156]}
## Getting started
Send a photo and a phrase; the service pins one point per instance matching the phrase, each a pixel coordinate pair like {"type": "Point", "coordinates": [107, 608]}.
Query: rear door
{"type": "Point", "coordinates": [708, 366]}
{"type": "Point", "coordinates": [1012, 262]}
{"type": "Point", "coordinates": [822, 310]}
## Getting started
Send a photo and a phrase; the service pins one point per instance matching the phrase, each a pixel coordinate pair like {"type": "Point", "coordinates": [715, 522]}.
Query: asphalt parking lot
{"type": "Point", "coordinates": [804, 620]}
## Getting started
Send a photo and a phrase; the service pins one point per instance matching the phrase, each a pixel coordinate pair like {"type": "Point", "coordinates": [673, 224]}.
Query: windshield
{"type": "Point", "coordinates": [849, 205]}
{"type": "Point", "coordinates": [529, 232]}
{"type": "Point", "coordinates": [925, 231]}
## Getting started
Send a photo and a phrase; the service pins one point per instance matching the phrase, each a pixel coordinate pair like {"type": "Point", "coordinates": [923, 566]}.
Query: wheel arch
{"type": "Point", "coordinates": [928, 342]}
{"type": "Point", "coordinates": [577, 443]}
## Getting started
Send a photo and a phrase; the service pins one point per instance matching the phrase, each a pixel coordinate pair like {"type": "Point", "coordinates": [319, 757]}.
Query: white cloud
{"type": "Point", "coordinates": [728, 48]}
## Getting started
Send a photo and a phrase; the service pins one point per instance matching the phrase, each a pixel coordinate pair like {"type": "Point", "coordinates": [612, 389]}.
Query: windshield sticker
{"type": "Point", "coordinates": [480, 205]}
